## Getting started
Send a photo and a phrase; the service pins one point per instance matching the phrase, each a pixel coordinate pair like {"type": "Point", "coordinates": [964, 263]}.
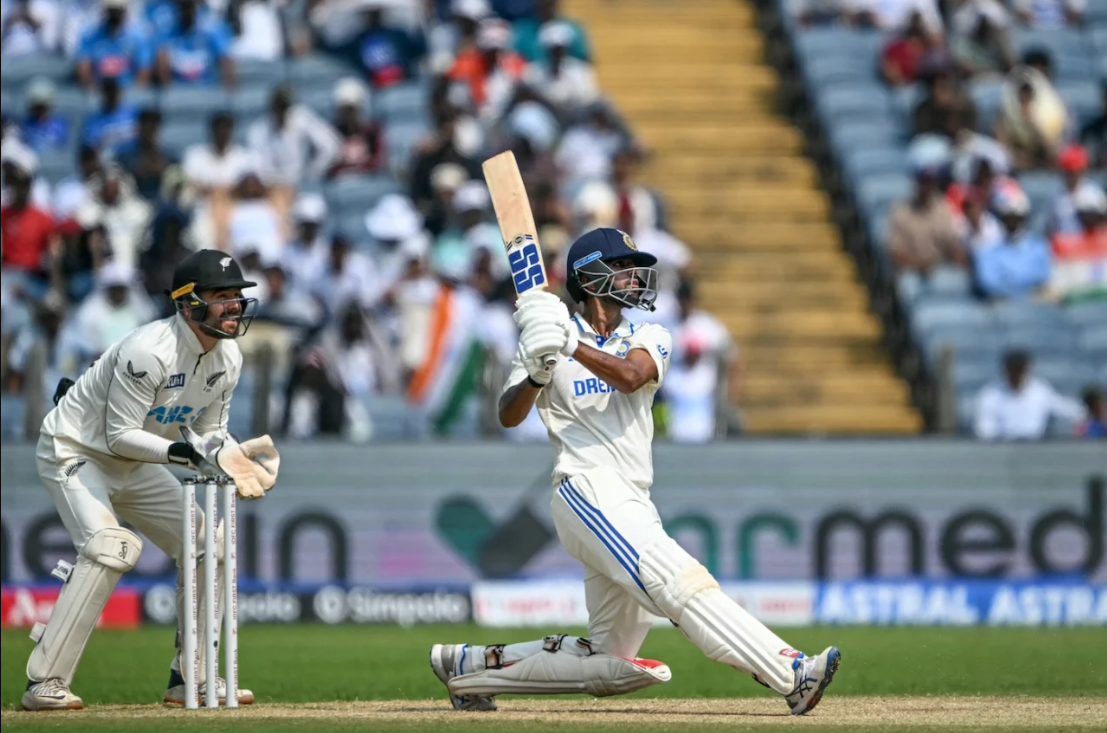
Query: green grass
{"type": "Point", "coordinates": [303, 664]}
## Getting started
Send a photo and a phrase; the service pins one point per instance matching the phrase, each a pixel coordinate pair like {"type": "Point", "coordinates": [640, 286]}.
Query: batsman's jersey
{"type": "Point", "coordinates": [131, 403]}
{"type": "Point", "coordinates": [589, 422]}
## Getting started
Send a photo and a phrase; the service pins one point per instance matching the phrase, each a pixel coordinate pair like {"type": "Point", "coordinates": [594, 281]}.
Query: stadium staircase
{"type": "Point", "coordinates": [691, 79]}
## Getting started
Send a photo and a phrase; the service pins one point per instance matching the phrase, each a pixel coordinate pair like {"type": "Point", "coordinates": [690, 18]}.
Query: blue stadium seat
{"type": "Point", "coordinates": [9, 103]}
{"type": "Point", "coordinates": [1093, 342]}
{"type": "Point", "coordinates": [400, 137]}
{"type": "Point", "coordinates": [906, 99]}
{"type": "Point", "coordinates": [969, 344]}
{"type": "Point", "coordinates": [909, 286]}
{"type": "Point", "coordinates": [1097, 36]}
{"type": "Point", "coordinates": [402, 101]}
{"type": "Point", "coordinates": [815, 45]}
{"type": "Point", "coordinates": [176, 135]}
{"type": "Point", "coordinates": [1082, 315]}
{"type": "Point", "coordinates": [318, 69]}
{"type": "Point", "coordinates": [193, 103]}
{"type": "Point", "coordinates": [839, 70]}
{"type": "Point", "coordinates": [74, 103]}
{"type": "Point", "coordinates": [858, 102]}
{"type": "Point", "coordinates": [18, 70]}
{"type": "Point", "coordinates": [1066, 371]}
{"type": "Point", "coordinates": [851, 135]}
{"type": "Point", "coordinates": [879, 192]}
{"type": "Point", "coordinates": [969, 375]}
{"type": "Point", "coordinates": [931, 313]}
{"type": "Point", "coordinates": [1040, 341]}
{"type": "Point", "coordinates": [987, 95]}
{"type": "Point", "coordinates": [253, 73]}
{"type": "Point", "coordinates": [1022, 314]}
{"type": "Point", "coordinates": [1058, 42]}
{"type": "Point", "coordinates": [250, 103]}
{"type": "Point", "coordinates": [1042, 189]}
{"type": "Point", "coordinates": [351, 224]}
{"type": "Point", "coordinates": [949, 281]}
{"type": "Point", "coordinates": [864, 162]}
{"type": "Point", "coordinates": [11, 414]}
{"type": "Point", "coordinates": [358, 193]}
{"type": "Point", "coordinates": [320, 100]}
{"type": "Point", "coordinates": [1084, 99]}
{"type": "Point", "coordinates": [56, 165]}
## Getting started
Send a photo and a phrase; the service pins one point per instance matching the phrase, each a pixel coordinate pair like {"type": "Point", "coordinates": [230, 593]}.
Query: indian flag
{"type": "Point", "coordinates": [449, 372]}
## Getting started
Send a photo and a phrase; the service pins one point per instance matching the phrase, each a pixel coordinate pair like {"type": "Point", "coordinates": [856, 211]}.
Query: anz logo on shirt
{"type": "Point", "coordinates": [176, 414]}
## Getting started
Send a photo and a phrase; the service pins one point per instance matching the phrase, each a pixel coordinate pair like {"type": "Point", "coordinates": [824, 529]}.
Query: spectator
{"type": "Point", "coordinates": [1073, 162]}
{"type": "Point", "coordinates": [970, 148]}
{"type": "Point", "coordinates": [288, 304]}
{"type": "Point", "coordinates": [1094, 136]}
{"type": "Point", "coordinates": [57, 336]}
{"type": "Point", "coordinates": [163, 16]}
{"type": "Point", "coordinates": [1095, 424]}
{"type": "Point", "coordinates": [1021, 405]}
{"type": "Point", "coordinates": [114, 50]}
{"type": "Point", "coordinates": [980, 42]}
{"type": "Point", "coordinates": [292, 145]}
{"type": "Point", "coordinates": [903, 57]}
{"type": "Point", "coordinates": [446, 179]}
{"type": "Point", "coordinates": [72, 191]}
{"type": "Point", "coordinates": [944, 98]}
{"type": "Point", "coordinates": [895, 15]}
{"type": "Point", "coordinates": [145, 159]}
{"type": "Point", "coordinates": [1080, 258]}
{"type": "Point", "coordinates": [115, 125]}
{"type": "Point", "coordinates": [446, 40]}
{"type": "Point", "coordinates": [387, 54]}
{"type": "Point", "coordinates": [169, 241]}
{"type": "Point", "coordinates": [258, 34]}
{"type": "Point", "coordinates": [115, 212]}
{"type": "Point", "coordinates": [42, 130]}
{"type": "Point", "coordinates": [116, 307]}
{"type": "Point", "coordinates": [194, 52]}
{"type": "Point", "coordinates": [1032, 119]}
{"type": "Point", "coordinates": [922, 234]}
{"type": "Point", "coordinates": [1050, 13]}
{"type": "Point", "coordinates": [213, 169]}
{"type": "Point", "coordinates": [467, 235]}
{"type": "Point", "coordinates": [347, 277]}
{"type": "Point", "coordinates": [1018, 267]}
{"type": "Point", "coordinates": [587, 149]}
{"type": "Point", "coordinates": [490, 71]}
{"type": "Point", "coordinates": [30, 27]}
{"type": "Point", "coordinates": [29, 237]}
{"type": "Point", "coordinates": [362, 144]}
{"type": "Point", "coordinates": [396, 227]}
{"type": "Point", "coordinates": [306, 254]}
{"type": "Point", "coordinates": [527, 31]}
{"type": "Point", "coordinates": [443, 146]}
{"type": "Point", "coordinates": [638, 210]}
{"type": "Point", "coordinates": [14, 155]}
{"type": "Point", "coordinates": [702, 346]}
{"type": "Point", "coordinates": [255, 224]}
{"type": "Point", "coordinates": [566, 83]}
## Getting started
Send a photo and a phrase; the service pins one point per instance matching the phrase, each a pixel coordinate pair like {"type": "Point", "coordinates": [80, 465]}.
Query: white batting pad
{"type": "Point", "coordinates": [105, 557]}
{"type": "Point", "coordinates": [722, 629]}
{"type": "Point", "coordinates": [563, 666]}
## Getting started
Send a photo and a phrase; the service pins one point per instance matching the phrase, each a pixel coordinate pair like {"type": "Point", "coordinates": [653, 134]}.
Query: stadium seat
{"type": "Point", "coordinates": [858, 102]}
{"type": "Point", "coordinates": [16, 71]}
{"type": "Point", "coordinates": [351, 224]}
{"type": "Point", "coordinates": [11, 414]}
{"type": "Point", "coordinates": [358, 193]}
{"type": "Point", "coordinates": [949, 281]}
{"type": "Point", "coordinates": [987, 96]}
{"type": "Point", "coordinates": [9, 103]}
{"type": "Point", "coordinates": [176, 135]}
{"type": "Point", "coordinates": [183, 104]}
{"type": "Point", "coordinates": [865, 162]}
{"type": "Point", "coordinates": [972, 374]}
{"type": "Point", "coordinates": [1016, 313]}
{"type": "Point", "coordinates": [929, 314]}
{"type": "Point", "coordinates": [318, 69]}
{"type": "Point", "coordinates": [1084, 99]}
{"type": "Point", "coordinates": [1082, 315]}
{"type": "Point", "coordinates": [402, 101]}
{"type": "Point", "coordinates": [400, 138]}
{"type": "Point", "coordinates": [839, 70]}
{"type": "Point", "coordinates": [1038, 340]}
{"type": "Point", "coordinates": [879, 192]}
{"type": "Point", "coordinates": [253, 73]}
{"type": "Point", "coordinates": [56, 165]}
{"type": "Point", "coordinates": [319, 100]}
{"type": "Point", "coordinates": [968, 343]}
{"type": "Point", "coordinates": [74, 103]}
{"type": "Point", "coordinates": [847, 136]}
{"type": "Point", "coordinates": [248, 104]}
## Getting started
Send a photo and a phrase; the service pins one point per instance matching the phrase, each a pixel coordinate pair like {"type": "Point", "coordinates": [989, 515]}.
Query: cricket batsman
{"type": "Point", "coordinates": [596, 404]}
{"type": "Point", "coordinates": [160, 395]}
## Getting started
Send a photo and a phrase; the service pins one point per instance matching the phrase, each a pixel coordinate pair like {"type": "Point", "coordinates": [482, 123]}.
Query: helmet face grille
{"type": "Point", "coordinates": [632, 287]}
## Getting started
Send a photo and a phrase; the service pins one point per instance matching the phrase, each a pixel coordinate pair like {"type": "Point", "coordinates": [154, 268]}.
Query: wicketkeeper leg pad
{"type": "Point", "coordinates": [563, 666]}
{"type": "Point", "coordinates": [688, 595]}
{"type": "Point", "coordinates": [60, 643]}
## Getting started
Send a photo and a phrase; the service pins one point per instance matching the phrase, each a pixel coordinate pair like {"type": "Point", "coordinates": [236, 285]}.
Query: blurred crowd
{"type": "Point", "coordinates": [382, 276]}
{"type": "Point", "coordinates": [1008, 160]}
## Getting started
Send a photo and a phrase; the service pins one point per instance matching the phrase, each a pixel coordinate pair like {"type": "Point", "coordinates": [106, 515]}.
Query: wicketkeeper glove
{"type": "Point", "coordinates": [252, 465]}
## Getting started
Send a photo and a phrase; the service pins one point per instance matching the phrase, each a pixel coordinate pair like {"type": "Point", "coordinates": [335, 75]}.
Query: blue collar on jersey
{"type": "Point", "coordinates": [585, 329]}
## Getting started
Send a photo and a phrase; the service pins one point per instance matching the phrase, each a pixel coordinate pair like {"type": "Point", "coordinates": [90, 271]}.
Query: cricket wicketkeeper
{"type": "Point", "coordinates": [596, 403]}
{"type": "Point", "coordinates": [159, 396]}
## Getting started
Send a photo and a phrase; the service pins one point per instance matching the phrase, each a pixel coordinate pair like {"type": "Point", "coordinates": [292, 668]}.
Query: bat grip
{"type": "Point", "coordinates": [551, 361]}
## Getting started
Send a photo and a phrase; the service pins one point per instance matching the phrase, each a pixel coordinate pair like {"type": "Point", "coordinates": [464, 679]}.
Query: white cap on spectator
{"type": "Point", "coordinates": [115, 273]}
{"type": "Point", "coordinates": [597, 201]}
{"type": "Point", "coordinates": [1090, 199]}
{"type": "Point", "coordinates": [535, 123]}
{"type": "Point", "coordinates": [14, 152]}
{"type": "Point", "coordinates": [556, 33]}
{"type": "Point", "coordinates": [472, 9]}
{"type": "Point", "coordinates": [447, 177]}
{"type": "Point", "coordinates": [116, 4]}
{"type": "Point", "coordinates": [472, 196]}
{"type": "Point", "coordinates": [350, 91]}
{"type": "Point", "coordinates": [394, 219]}
{"type": "Point", "coordinates": [309, 207]}
{"type": "Point", "coordinates": [493, 33]}
{"type": "Point", "coordinates": [40, 90]}
{"type": "Point", "coordinates": [417, 247]}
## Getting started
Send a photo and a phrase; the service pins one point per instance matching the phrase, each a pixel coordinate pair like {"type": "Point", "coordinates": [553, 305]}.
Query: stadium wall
{"type": "Point", "coordinates": [830, 531]}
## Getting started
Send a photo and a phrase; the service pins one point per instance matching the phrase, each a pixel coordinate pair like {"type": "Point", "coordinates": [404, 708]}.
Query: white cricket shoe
{"type": "Point", "coordinates": [446, 662]}
{"type": "Point", "coordinates": [175, 692]}
{"type": "Point", "coordinates": [812, 677]}
{"type": "Point", "coordinates": [50, 694]}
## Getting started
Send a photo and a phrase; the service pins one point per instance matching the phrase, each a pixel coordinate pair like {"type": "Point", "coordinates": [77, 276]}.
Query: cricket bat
{"type": "Point", "coordinates": [517, 228]}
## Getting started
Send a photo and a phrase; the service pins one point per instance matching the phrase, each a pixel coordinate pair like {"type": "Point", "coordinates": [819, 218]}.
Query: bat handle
{"type": "Point", "coordinates": [551, 361]}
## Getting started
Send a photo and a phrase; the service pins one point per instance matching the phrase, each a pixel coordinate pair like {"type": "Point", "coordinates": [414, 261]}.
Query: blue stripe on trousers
{"type": "Point", "coordinates": [628, 565]}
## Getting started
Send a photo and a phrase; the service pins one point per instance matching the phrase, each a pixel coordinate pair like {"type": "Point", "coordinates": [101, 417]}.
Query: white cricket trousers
{"type": "Point", "coordinates": [89, 495]}
{"type": "Point", "coordinates": [634, 572]}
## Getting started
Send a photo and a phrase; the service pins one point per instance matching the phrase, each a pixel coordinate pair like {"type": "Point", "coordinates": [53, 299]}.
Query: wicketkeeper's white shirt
{"type": "Point", "coordinates": [131, 403]}
{"type": "Point", "coordinates": [589, 422]}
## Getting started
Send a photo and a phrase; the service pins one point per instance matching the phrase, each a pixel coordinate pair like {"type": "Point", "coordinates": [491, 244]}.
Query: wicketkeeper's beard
{"type": "Point", "coordinates": [229, 323]}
